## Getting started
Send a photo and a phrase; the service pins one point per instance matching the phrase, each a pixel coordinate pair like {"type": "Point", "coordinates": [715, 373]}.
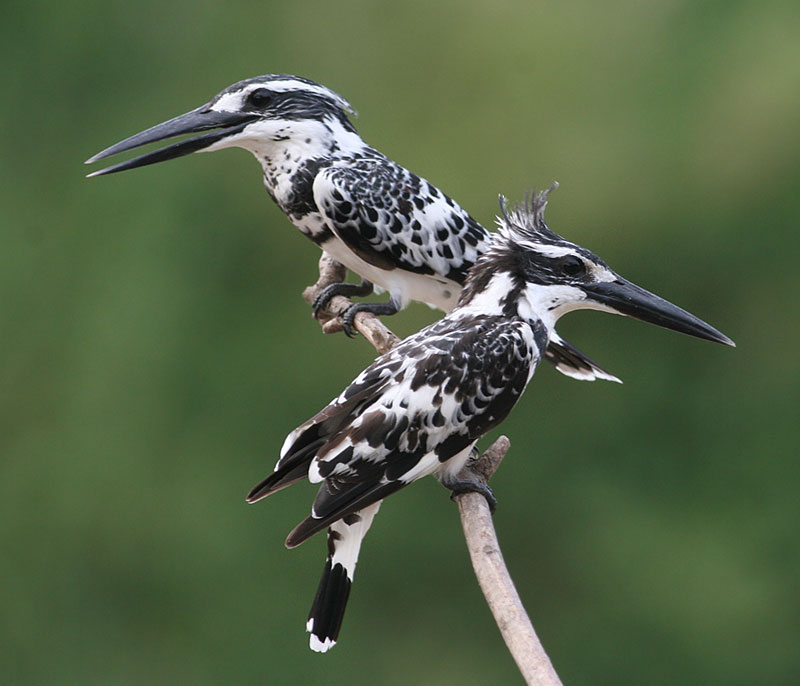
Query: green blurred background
{"type": "Point", "coordinates": [155, 349]}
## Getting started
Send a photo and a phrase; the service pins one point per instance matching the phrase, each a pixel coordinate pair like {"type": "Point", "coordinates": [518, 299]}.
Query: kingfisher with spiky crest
{"type": "Point", "coordinates": [384, 223]}
{"type": "Point", "coordinates": [420, 408]}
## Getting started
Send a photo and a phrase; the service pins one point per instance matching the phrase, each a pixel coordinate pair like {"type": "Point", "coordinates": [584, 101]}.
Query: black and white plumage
{"type": "Point", "coordinates": [420, 408]}
{"type": "Point", "coordinates": [380, 220]}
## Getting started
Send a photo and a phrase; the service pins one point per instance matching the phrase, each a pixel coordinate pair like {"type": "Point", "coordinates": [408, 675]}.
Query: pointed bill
{"type": "Point", "coordinates": [624, 297]}
{"type": "Point", "coordinates": [220, 125]}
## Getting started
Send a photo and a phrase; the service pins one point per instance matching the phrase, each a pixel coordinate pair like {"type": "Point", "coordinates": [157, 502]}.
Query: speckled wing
{"type": "Point", "coordinates": [393, 219]}
{"type": "Point", "coordinates": [448, 385]}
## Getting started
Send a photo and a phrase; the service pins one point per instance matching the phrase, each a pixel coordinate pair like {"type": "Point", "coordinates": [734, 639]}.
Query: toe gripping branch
{"type": "Point", "coordinates": [474, 476]}
{"type": "Point", "coordinates": [346, 289]}
{"type": "Point", "coordinates": [458, 486]}
{"type": "Point", "coordinates": [378, 309]}
{"type": "Point", "coordinates": [350, 290]}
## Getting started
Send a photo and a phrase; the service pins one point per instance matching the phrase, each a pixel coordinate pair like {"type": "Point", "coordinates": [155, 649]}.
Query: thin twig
{"type": "Point", "coordinates": [476, 518]}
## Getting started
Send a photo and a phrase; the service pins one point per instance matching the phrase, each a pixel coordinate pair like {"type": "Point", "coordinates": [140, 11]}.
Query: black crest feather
{"type": "Point", "coordinates": [525, 221]}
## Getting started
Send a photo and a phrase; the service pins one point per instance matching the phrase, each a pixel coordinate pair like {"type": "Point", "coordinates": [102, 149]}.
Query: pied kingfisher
{"type": "Point", "coordinates": [381, 221]}
{"type": "Point", "coordinates": [420, 408]}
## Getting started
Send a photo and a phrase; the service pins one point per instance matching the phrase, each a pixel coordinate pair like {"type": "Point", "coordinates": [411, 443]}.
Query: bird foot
{"type": "Point", "coordinates": [459, 486]}
{"type": "Point", "coordinates": [378, 309]}
{"type": "Point", "coordinates": [346, 289]}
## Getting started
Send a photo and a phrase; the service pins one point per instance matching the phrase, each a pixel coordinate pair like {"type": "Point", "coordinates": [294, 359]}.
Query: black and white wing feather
{"type": "Point", "coordinates": [433, 397]}
{"type": "Point", "coordinates": [302, 444]}
{"type": "Point", "coordinates": [393, 219]}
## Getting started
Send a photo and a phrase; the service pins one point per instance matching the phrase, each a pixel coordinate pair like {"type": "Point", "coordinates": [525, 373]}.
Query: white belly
{"type": "Point", "coordinates": [403, 286]}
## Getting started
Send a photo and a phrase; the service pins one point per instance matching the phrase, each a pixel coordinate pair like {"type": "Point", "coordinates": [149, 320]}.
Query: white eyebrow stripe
{"type": "Point", "coordinates": [229, 102]}
{"type": "Point", "coordinates": [554, 250]}
{"type": "Point", "coordinates": [293, 85]}
{"type": "Point", "coordinates": [232, 101]}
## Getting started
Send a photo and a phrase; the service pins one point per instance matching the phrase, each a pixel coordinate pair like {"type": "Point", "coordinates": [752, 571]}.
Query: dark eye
{"type": "Point", "coordinates": [572, 266]}
{"type": "Point", "coordinates": [259, 98]}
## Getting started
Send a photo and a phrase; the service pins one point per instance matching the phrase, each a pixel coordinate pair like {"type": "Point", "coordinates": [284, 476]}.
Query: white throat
{"type": "Point", "coordinates": [283, 146]}
{"type": "Point", "coordinates": [548, 303]}
{"type": "Point", "coordinates": [270, 139]}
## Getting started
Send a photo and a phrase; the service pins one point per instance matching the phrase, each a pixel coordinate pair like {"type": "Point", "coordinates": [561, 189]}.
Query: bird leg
{"type": "Point", "coordinates": [346, 289]}
{"type": "Point", "coordinates": [459, 486]}
{"type": "Point", "coordinates": [378, 309]}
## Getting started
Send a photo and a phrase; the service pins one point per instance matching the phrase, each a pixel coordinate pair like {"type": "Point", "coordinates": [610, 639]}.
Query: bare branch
{"type": "Point", "coordinates": [493, 576]}
{"type": "Point", "coordinates": [476, 518]}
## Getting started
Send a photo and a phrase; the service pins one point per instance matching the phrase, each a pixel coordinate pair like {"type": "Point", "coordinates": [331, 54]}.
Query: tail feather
{"type": "Point", "coordinates": [327, 612]}
{"type": "Point", "coordinates": [288, 472]}
{"type": "Point", "coordinates": [572, 362]}
{"type": "Point", "coordinates": [349, 507]}
{"type": "Point", "coordinates": [302, 444]}
{"type": "Point", "coordinates": [344, 545]}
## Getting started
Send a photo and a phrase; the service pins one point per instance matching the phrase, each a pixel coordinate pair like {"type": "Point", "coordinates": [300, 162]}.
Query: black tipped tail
{"type": "Point", "coordinates": [344, 544]}
{"type": "Point", "coordinates": [327, 612]}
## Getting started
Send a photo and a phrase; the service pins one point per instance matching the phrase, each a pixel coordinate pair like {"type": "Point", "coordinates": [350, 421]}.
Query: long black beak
{"type": "Point", "coordinates": [627, 298]}
{"type": "Point", "coordinates": [201, 119]}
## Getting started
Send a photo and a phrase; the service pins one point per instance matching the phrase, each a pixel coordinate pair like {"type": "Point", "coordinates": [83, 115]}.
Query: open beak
{"type": "Point", "coordinates": [201, 119]}
{"type": "Point", "coordinates": [623, 297]}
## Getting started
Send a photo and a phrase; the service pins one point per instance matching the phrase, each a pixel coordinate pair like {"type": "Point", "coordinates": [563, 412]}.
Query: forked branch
{"type": "Point", "coordinates": [476, 519]}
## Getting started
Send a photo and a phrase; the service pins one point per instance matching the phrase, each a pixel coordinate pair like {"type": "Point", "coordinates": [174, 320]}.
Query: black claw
{"type": "Point", "coordinates": [347, 289]}
{"type": "Point", "coordinates": [322, 299]}
{"type": "Point", "coordinates": [349, 321]}
{"type": "Point", "coordinates": [459, 486]}
{"type": "Point", "coordinates": [378, 309]}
